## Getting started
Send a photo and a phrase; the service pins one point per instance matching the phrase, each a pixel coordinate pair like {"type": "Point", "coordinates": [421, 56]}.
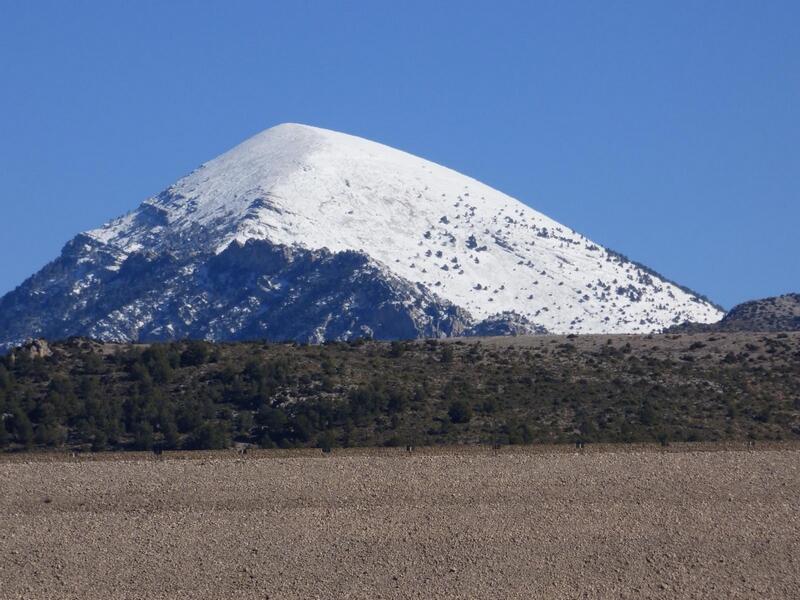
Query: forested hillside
{"type": "Point", "coordinates": [86, 395]}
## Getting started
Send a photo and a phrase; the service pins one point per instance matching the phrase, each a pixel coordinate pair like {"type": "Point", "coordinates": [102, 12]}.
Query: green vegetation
{"type": "Point", "coordinates": [197, 395]}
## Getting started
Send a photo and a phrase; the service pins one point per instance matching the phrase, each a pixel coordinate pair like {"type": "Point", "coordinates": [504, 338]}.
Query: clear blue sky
{"type": "Point", "coordinates": [669, 131]}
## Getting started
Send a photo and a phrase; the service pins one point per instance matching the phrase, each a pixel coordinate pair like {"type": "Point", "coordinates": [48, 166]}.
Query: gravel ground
{"type": "Point", "coordinates": [428, 525]}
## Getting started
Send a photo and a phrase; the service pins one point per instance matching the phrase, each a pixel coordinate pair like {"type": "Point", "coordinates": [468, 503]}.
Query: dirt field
{"type": "Point", "coordinates": [459, 524]}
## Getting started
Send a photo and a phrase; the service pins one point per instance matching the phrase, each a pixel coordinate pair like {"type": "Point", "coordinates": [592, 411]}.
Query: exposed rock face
{"type": "Point", "coordinates": [36, 349]}
{"type": "Point", "coordinates": [254, 290]}
{"type": "Point", "coordinates": [778, 313]}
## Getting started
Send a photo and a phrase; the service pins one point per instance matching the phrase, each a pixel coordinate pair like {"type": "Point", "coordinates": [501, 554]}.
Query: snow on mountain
{"type": "Point", "coordinates": [451, 236]}
{"type": "Point", "coordinates": [473, 245]}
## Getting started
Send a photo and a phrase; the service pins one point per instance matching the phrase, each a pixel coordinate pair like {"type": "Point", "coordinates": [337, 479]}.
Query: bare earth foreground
{"type": "Point", "coordinates": [455, 524]}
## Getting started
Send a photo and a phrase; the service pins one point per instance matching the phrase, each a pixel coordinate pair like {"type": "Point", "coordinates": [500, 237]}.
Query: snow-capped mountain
{"type": "Point", "coordinates": [299, 217]}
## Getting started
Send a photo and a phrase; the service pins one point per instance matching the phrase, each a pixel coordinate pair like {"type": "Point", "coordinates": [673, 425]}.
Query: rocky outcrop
{"type": "Point", "coordinates": [36, 349]}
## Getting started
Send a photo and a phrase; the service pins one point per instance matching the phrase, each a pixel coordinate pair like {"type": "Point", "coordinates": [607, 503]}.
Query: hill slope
{"type": "Point", "coordinates": [522, 389]}
{"type": "Point", "coordinates": [778, 313]}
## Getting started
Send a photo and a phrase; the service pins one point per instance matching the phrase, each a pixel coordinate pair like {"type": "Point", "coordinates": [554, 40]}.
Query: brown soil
{"type": "Point", "coordinates": [457, 524]}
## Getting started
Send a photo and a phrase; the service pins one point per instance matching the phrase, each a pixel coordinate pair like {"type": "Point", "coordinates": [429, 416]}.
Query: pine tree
{"type": "Point", "coordinates": [143, 436]}
{"type": "Point", "coordinates": [99, 440]}
{"type": "Point", "coordinates": [459, 412]}
{"type": "Point", "coordinates": [170, 431]}
{"type": "Point", "coordinates": [5, 439]}
{"type": "Point", "coordinates": [23, 430]}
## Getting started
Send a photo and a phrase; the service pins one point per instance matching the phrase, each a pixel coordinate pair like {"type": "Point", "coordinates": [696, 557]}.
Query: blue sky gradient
{"type": "Point", "coordinates": [667, 131]}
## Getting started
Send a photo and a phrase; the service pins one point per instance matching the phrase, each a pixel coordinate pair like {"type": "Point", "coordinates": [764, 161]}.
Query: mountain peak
{"type": "Point", "coordinates": [467, 244]}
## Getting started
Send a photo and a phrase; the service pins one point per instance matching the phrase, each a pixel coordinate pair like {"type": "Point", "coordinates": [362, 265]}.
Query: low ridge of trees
{"type": "Point", "coordinates": [198, 395]}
